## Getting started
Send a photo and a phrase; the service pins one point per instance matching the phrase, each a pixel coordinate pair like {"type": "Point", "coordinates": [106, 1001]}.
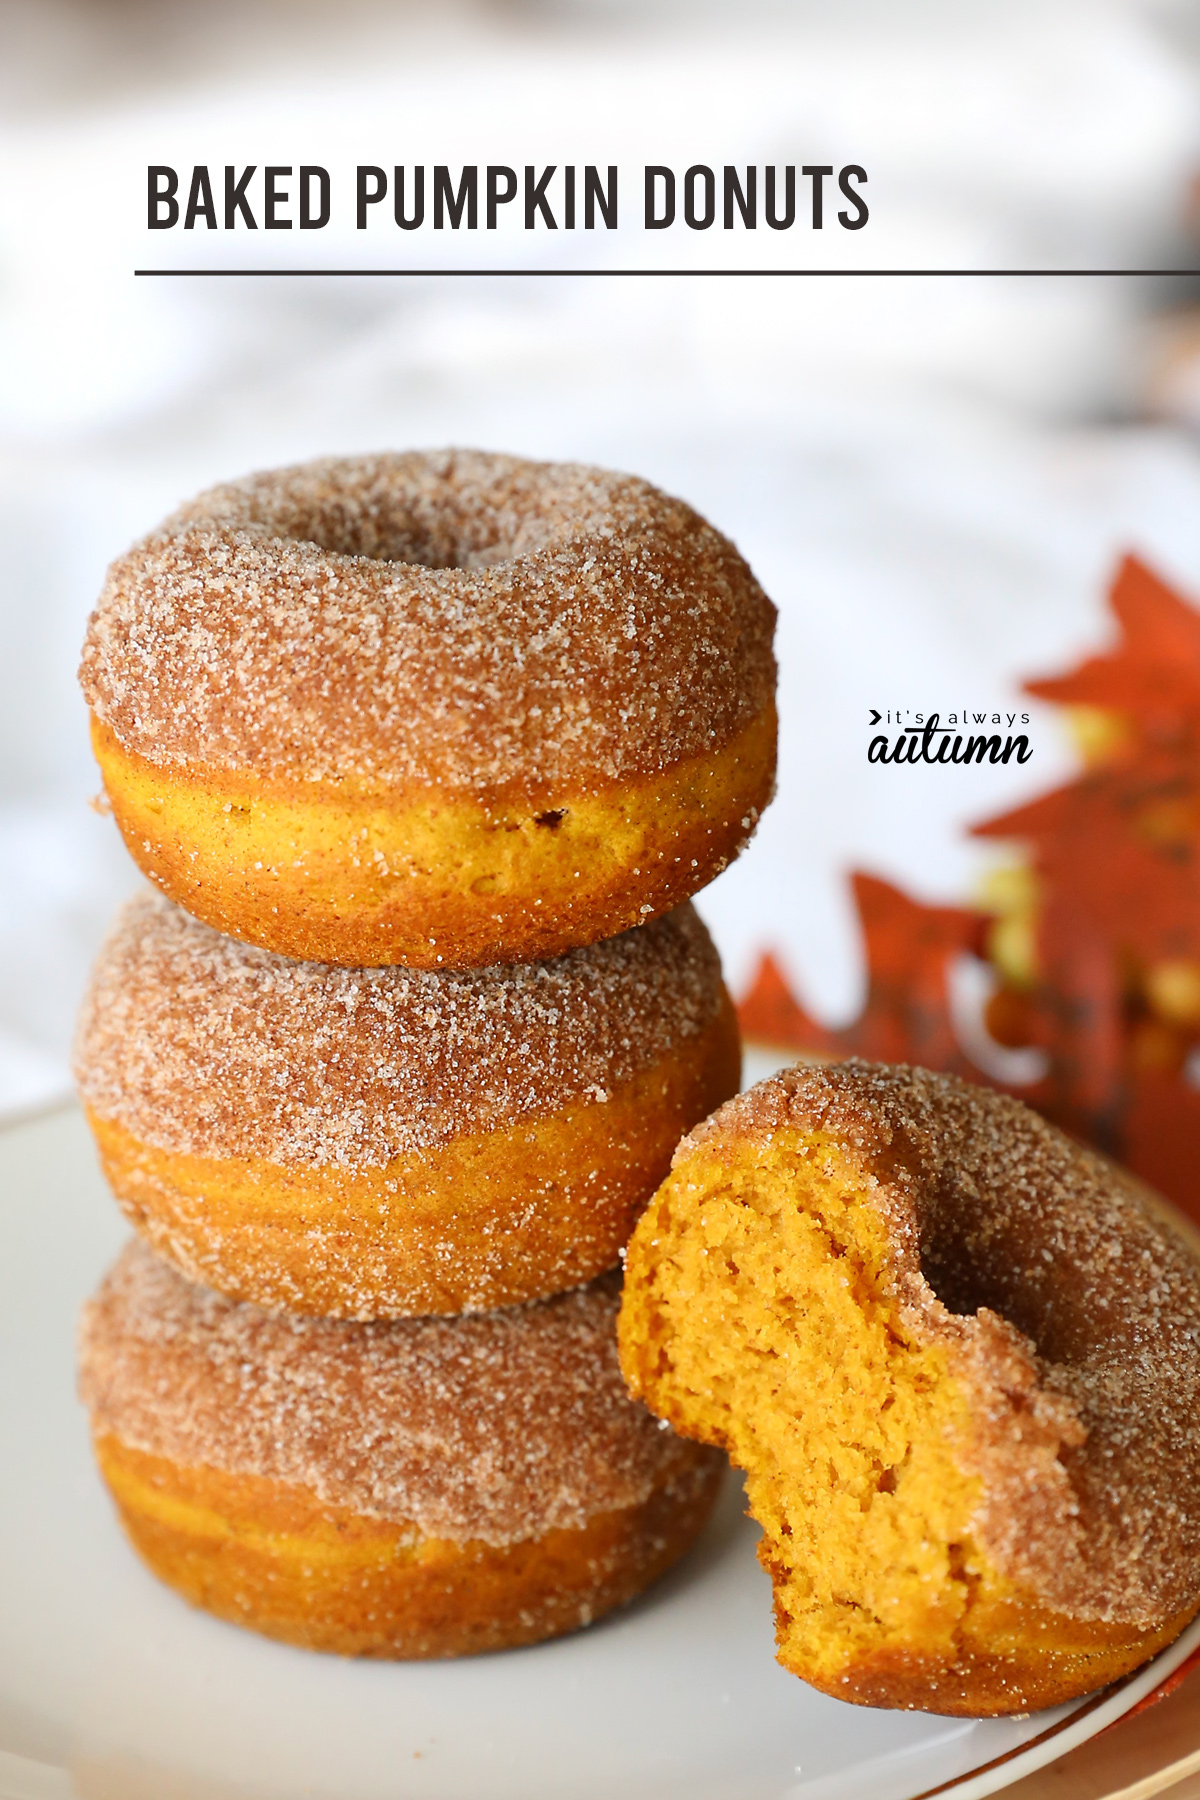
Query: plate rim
{"type": "Point", "coordinates": [1079, 1727]}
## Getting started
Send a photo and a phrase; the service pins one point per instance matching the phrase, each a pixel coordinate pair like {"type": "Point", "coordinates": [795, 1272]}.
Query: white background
{"type": "Point", "coordinates": [932, 479]}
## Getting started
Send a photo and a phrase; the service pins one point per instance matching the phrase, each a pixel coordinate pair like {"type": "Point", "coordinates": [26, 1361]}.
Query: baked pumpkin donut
{"type": "Point", "coordinates": [414, 1488]}
{"type": "Point", "coordinates": [376, 1142]}
{"type": "Point", "coordinates": [436, 709]}
{"type": "Point", "coordinates": [958, 1356]}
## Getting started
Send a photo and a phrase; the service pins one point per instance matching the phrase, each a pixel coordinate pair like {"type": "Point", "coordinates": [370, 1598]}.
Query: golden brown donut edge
{"type": "Point", "coordinates": [367, 875]}
{"type": "Point", "coordinates": [413, 1488]}
{"type": "Point", "coordinates": [274, 1558]}
{"type": "Point", "coordinates": [486, 1220]}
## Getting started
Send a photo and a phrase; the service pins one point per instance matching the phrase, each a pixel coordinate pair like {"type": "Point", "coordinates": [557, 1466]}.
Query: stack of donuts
{"type": "Point", "coordinates": [425, 756]}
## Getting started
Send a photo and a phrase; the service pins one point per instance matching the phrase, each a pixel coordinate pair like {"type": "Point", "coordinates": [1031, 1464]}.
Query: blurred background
{"type": "Point", "coordinates": [933, 479]}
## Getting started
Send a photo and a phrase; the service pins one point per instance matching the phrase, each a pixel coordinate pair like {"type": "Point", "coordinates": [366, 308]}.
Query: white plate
{"type": "Point", "coordinates": [112, 1689]}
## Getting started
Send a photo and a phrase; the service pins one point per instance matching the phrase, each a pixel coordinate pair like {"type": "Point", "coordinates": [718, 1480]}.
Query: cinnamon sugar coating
{"type": "Point", "coordinates": [204, 1046]}
{"type": "Point", "coordinates": [493, 1428]}
{"type": "Point", "coordinates": [1069, 1302]}
{"type": "Point", "coordinates": [455, 618]}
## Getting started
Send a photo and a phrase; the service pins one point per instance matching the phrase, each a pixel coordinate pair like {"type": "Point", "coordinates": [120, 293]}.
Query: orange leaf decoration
{"type": "Point", "coordinates": [769, 1013]}
{"type": "Point", "coordinates": [1116, 1000]}
{"type": "Point", "coordinates": [1153, 676]}
{"type": "Point", "coordinates": [1117, 854]}
{"type": "Point", "coordinates": [910, 949]}
{"type": "Point", "coordinates": [907, 1016]}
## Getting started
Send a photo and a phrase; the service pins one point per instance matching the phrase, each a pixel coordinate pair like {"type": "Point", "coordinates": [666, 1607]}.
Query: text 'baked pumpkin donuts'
{"type": "Point", "coordinates": [439, 709]}
{"type": "Point", "coordinates": [412, 1488]}
{"type": "Point", "coordinates": [958, 1356]}
{"type": "Point", "coordinates": [371, 1143]}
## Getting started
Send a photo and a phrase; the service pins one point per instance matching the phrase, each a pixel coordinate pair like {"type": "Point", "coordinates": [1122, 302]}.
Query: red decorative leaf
{"type": "Point", "coordinates": [1116, 856]}
{"type": "Point", "coordinates": [769, 1013]}
{"type": "Point", "coordinates": [910, 948]}
{"type": "Point", "coordinates": [1153, 675]}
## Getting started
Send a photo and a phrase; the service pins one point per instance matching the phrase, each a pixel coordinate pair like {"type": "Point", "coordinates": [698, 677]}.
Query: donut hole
{"type": "Point", "coordinates": [431, 538]}
{"type": "Point", "coordinates": [976, 1255]}
{"type": "Point", "coordinates": [452, 512]}
{"type": "Point", "coordinates": [962, 1285]}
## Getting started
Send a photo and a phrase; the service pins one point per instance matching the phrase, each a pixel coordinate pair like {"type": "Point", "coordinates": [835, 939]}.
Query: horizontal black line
{"type": "Point", "coordinates": [650, 273]}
